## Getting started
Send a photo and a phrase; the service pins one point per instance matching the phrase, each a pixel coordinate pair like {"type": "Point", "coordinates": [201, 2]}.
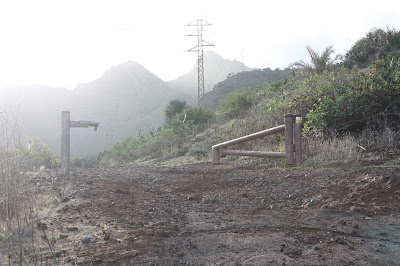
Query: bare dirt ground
{"type": "Point", "coordinates": [205, 214]}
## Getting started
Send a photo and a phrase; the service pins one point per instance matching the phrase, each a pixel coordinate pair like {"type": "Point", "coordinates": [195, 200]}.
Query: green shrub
{"type": "Point", "coordinates": [377, 44]}
{"type": "Point", "coordinates": [274, 111]}
{"type": "Point", "coordinates": [195, 116]}
{"type": "Point", "coordinates": [342, 102]}
{"type": "Point", "coordinates": [175, 107]}
{"type": "Point", "coordinates": [87, 162]}
{"type": "Point", "coordinates": [157, 143]}
{"type": "Point", "coordinates": [122, 152]}
{"type": "Point", "coordinates": [77, 162]}
{"type": "Point", "coordinates": [36, 154]}
{"type": "Point", "coordinates": [198, 151]}
{"type": "Point", "coordinates": [236, 103]}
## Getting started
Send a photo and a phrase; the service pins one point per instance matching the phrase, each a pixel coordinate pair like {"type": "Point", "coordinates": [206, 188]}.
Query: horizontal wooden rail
{"type": "Point", "coordinates": [250, 137]}
{"type": "Point", "coordinates": [292, 132]}
{"type": "Point", "coordinates": [254, 153]}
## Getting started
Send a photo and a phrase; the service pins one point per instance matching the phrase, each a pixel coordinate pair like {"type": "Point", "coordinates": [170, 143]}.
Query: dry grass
{"type": "Point", "coordinates": [20, 204]}
{"type": "Point", "coordinates": [379, 140]}
{"type": "Point", "coordinates": [350, 147]}
{"type": "Point", "coordinates": [333, 148]}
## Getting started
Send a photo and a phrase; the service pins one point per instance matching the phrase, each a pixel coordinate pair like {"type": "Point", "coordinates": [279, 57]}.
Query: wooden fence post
{"type": "Point", "coordinates": [289, 148]}
{"type": "Point", "coordinates": [216, 155]}
{"type": "Point", "coordinates": [65, 143]}
{"type": "Point", "coordinates": [297, 140]}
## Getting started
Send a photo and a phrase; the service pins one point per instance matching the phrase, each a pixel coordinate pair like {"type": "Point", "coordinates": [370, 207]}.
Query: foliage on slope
{"type": "Point", "coordinates": [340, 101]}
{"type": "Point", "coordinates": [172, 139]}
{"type": "Point", "coordinates": [241, 82]}
{"type": "Point", "coordinates": [376, 44]}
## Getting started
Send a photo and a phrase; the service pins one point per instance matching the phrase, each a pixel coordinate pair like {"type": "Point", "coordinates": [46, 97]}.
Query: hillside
{"type": "Point", "coordinates": [126, 99]}
{"type": "Point", "coordinates": [242, 81]}
{"type": "Point", "coordinates": [216, 69]}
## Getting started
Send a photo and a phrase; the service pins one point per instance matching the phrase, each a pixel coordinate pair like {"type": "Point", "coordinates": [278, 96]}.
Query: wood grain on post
{"type": "Point", "coordinates": [297, 140]}
{"type": "Point", "coordinates": [215, 154]}
{"type": "Point", "coordinates": [289, 148]}
{"type": "Point", "coordinates": [65, 143]}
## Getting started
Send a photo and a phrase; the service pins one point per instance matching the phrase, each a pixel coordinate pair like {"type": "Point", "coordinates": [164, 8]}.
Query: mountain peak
{"type": "Point", "coordinates": [212, 53]}
{"type": "Point", "coordinates": [216, 69]}
{"type": "Point", "coordinates": [124, 69]}
{"type": "Point", "coordinates": [128, 76]}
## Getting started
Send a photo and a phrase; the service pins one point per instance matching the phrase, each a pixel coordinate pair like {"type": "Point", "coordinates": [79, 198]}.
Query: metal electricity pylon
{"type": "Point", "coordinates": [199, 24]}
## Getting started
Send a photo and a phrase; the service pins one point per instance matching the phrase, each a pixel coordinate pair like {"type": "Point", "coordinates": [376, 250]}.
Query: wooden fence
{"type": "Point", "coordinates": [293, 146]}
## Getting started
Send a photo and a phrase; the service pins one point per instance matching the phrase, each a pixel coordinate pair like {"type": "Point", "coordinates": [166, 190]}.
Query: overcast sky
{"type": "Point", "coordinates": [65, 42]}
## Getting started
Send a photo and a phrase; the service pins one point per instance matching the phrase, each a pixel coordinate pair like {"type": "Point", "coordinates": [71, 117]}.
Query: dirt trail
{"type": "Point", "coordinates": [208, 214]}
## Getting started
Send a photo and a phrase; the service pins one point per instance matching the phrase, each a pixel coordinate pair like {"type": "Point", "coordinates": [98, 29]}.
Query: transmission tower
{"type": "Point", "coordinates": [199, 24]}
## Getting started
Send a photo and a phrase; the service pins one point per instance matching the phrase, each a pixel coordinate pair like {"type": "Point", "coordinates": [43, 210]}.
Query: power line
{"type": "Point", "coordinates": [199, 24]}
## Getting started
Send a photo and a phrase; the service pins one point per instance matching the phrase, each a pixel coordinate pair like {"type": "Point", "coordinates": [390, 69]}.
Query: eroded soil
{"type": "Point", "coordinates": [207, 214]}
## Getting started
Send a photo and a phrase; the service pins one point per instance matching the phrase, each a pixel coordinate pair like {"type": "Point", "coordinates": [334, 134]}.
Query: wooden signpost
{"type": "Point", "coordinates": [66, 124]}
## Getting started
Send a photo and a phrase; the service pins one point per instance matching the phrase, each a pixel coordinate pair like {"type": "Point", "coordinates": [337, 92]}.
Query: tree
{"type": "Point", "coordinates": [175, 107]}
{"type": "Point", "coordinates": [319, 63]}
{"type": "Point", "coordinates": [376, 44]}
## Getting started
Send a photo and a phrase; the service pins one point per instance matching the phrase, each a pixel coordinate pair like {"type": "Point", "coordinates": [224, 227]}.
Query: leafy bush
{"type": "Point", "coordinates": [236, 103]}
{"type": "Point", "coordinates": [377, 44]}
{"type": "Point", "coordinates": [87, 162]}
{"type": "Point", "coordinates": [175, 107]}
{"type": "Point", "coordinates": [195, 116]}
{"type": "Point", "coordinates": [121, 152]}
{"type": "Point", "coordinates": [36, 154]}
{"type": "Point", "coordinates": [341, 102]}
{"type": "Point", "coordinates": [198, 151]}
{"type": "Point", "coordinates": [157, 143]}
{"type": "Point", "coordinates": [77, 162]}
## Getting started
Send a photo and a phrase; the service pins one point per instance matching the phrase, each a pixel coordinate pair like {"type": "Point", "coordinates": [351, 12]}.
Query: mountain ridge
{"type": "Point", "coordinates": [126, 99]}
{"type": "Point", "coordinates": [240, 82]}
